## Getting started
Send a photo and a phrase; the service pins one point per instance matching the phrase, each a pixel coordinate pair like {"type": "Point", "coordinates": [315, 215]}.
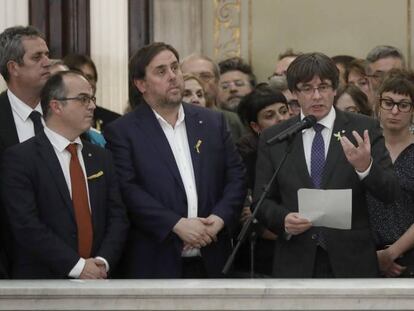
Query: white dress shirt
{"type": "Point", "coordinates": [178, 141]}
{"type": "Point", "coordinates": [21, 112]}
{"type": "Point", "coordinates": [309, 134]}
{"type": "Point", "coordinates": [59, 144]}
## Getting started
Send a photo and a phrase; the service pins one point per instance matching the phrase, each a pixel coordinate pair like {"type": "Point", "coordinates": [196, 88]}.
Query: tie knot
{"type": "Point", "coordinates": [318, 127]}
{"type": "Point", "coordinates": [35, 116]}
{"type": "Point", "coordinates": [72, 148]}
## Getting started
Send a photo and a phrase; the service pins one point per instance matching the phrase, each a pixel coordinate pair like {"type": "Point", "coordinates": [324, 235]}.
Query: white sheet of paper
{"type": "Point", "coordinates": [326, 208]}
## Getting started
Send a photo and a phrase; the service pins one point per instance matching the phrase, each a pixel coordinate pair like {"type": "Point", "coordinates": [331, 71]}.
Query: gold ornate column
{"type": "Point", "coordinates": [227, 29]}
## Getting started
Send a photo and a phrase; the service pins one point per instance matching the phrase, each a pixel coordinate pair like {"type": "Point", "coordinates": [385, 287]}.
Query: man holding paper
{"type": "Point", "coordinates": [341, 151]}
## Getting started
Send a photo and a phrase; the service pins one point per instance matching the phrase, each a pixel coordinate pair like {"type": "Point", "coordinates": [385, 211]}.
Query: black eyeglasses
{"type": "Point", "coordinates": [83, 99]}
{"type": "Point", "coordinates": [402, 106]}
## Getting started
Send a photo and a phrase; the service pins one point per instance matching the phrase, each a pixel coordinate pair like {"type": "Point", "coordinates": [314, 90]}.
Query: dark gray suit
{"type": "Point", "coordinates": [351, 252]}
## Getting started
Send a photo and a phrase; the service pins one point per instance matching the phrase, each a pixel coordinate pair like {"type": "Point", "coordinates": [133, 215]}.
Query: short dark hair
{"type": "Point", "coordinates": [76, 61]}
{"type": "Point", "coordinates": [399, 81]}
{"type": "Point", "coordinates": [237, 64]}
{"type": "Point", "coordinates": [11, 47]}
{"type": "Point", "coordinates": [55, 88]}
{"type": "Point", "coordinates": [258, 99]}
{"type": "Point", "coordinates": [359, 97]}
{"type": "Point", "coordinates": [384, 51]}
{"type": "Point", "coordinates": [137, 64]}
{"type": "Point", "coordinates": [306, 66]}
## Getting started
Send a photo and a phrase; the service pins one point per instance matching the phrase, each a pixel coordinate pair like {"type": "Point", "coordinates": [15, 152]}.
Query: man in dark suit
{"type": "Point", "coordinates": [180, 175]}
{"type": "Point", "coordinates": [60, 193]}
{"type": "Point", "coordinates": [24, 65]}
{"type": "Point", "coordinates": [342, 151]}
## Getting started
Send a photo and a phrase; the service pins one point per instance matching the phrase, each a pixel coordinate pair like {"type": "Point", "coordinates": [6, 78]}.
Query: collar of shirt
{"type": "Point", "coordinates": [180, 118]}
{"type": "Point", "coordinates": [58, 141]}
{"type": "Point", "coordinates": [21, 109]}
{"type": "Point", "coordinates": [327, 121]}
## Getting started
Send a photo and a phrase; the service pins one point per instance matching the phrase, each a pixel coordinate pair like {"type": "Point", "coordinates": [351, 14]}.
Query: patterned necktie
{"type": "Point", "coordinates": [36, 118]}
{"type": "Point", "coordinates": [317, 156]}
{"type": "Point", "coordinates": [80, 204]}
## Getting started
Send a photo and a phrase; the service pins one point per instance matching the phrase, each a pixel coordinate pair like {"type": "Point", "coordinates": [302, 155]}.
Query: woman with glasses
{"type": "Point", "coordinates": [392, 224]}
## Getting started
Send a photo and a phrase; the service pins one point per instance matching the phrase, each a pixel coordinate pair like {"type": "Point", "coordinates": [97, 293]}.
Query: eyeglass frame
{"type": "Point", "coordinates": [322, 89]}
{"type": "Point", "coordinates": [81, 99]}
{"type": "Point", "coordinates": [394, 103]}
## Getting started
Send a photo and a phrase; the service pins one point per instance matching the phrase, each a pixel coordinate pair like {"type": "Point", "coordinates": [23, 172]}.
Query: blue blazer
{"type": "Point", "coordinates": [39, 209]}
{"type": "Point", "coordinates": [154, 193]}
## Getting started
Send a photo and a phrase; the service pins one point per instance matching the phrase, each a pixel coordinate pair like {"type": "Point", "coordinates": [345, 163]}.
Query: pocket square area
{"type": "Point", "coordinates": [97, 175]}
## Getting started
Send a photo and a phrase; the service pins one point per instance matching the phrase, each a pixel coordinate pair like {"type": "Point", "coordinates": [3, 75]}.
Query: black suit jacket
{"type": "Point", "coordinates": [39, 208]}
{"type": "Point", "coordinates": [351, 252]}
{"type": "Point", "coordinates": [8, 137]}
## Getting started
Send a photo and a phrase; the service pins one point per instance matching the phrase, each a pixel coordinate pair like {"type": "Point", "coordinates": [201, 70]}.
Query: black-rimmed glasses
{"type": "Point", "coordinates": [83, 99]}
{"type": "Point", "coordinates": [402, 106]}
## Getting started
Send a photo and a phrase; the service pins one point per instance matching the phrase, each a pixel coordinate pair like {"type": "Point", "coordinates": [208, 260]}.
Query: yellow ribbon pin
{"type": "Point", "coordinates": [338, 135]}
{"type": "Point", "coordinates": [97, 175]}
{"type": "Point", "coordinates": [197, 146]}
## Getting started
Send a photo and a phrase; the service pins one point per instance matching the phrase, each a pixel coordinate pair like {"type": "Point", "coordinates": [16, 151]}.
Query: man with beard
{"type": "Point", "coordinates": [180, 175]}
{"type": "Point", "coordinates": [236, 81]}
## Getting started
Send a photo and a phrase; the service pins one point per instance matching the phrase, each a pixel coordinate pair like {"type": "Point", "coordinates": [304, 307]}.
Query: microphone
{"type": "Point", "coordinates": [305, 123]}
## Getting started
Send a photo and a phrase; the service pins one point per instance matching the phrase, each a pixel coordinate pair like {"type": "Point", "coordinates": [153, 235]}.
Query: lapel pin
{"type": "Point", "coordinates": [338, 134]}
{"type": "Point", "coordinates": [197, 145]}
{"type": "Point", "coordinates": [97, 175]}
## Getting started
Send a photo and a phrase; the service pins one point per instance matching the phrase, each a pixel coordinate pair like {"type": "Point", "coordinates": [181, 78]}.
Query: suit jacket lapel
{"type": "Point", "coordinates": [50, 159]}
{"type": "Point", "coordinates": [335, 148]}
{"type": "Point", "coordinates": [152, 130]}
{"type": "Point", "coordinates": [195, 135]}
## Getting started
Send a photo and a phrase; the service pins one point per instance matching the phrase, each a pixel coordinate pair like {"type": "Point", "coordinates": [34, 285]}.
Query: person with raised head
{"type": "Point", "coordinates": [180, 175]}
{"type": "Point", "coordinates": [60, 193]}
{"type": "Point", "coordinates": [341, 151]}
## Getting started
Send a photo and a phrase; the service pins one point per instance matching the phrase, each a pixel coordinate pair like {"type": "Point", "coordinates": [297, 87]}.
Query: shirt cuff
{"type": "Point", "coordinates": [365, 173]}
{"type": "Point", "coordinates": [105, 262]}
{"type": "Point", "coordinates": [77, 269]}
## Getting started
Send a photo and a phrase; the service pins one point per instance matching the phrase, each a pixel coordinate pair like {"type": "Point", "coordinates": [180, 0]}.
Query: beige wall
{"type": "Point", "coordinates": [331, 26]}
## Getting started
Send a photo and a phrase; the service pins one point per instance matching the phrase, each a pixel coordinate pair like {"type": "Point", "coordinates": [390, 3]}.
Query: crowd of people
{"type": "Point", "coordinates": [163, 190]}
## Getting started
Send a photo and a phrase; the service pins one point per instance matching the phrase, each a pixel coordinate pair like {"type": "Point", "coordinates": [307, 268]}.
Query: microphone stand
{"type": "Point", "coordinates": [248, 224]}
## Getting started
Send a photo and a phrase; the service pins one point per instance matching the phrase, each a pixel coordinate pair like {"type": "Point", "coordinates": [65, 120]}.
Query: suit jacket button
{"type": "Point", "coordinates": [315, 236]}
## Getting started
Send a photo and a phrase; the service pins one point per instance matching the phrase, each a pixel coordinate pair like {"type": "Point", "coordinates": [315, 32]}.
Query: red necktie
{"type": "Point", "coordinates": [80, 204]}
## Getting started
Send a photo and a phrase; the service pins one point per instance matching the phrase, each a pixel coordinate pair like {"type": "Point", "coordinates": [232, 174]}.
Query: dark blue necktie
{"type": "Point", "coordinates": [317, 156]}
{"type": "Point", "coordinates": [36, 118]}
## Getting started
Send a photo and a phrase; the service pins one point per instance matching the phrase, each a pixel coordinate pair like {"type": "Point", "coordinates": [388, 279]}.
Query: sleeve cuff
{"type": "Point", "coordinates": [105, 262]}
{"type": "Point", "coordinates": [365, 173]}
{"type": "Point", "coordinates": [77, 269]}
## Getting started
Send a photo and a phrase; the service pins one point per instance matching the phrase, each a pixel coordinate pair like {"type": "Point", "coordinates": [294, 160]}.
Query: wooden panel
{"type": "Point", "coordinates": [139, 24]}
{"type": "Point", "coordinates": [65, 24]}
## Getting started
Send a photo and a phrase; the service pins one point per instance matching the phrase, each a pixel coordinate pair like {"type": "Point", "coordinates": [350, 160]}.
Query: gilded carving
{"type": "Point", "coordinates": [227, 23]}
